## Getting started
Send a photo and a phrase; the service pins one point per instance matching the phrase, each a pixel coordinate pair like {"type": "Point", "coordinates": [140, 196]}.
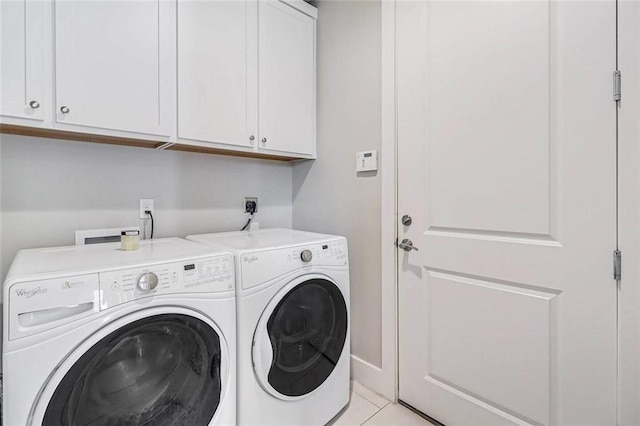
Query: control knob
{"type": "Point", "coordinates": [147, 282]}
{"type": "Point", "coordinates": [306, 255]}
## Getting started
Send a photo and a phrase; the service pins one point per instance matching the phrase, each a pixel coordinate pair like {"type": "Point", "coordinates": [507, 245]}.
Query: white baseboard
{"type": "Point", "coordinates": [367, 374]}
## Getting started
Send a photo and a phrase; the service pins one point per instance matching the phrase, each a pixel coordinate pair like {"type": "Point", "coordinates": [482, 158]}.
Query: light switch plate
{"type": "Point", "coordinates": [367, 161]}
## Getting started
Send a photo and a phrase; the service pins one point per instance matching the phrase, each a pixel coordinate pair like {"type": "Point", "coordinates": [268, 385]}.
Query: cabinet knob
{"type": "Point", "coordinates": [264, 140]}
{"type": "Point", "coordinates": [34, 104]}
{"type": "Point", "coordinates": [252, 138]}
{"type": "Point", "coordinates": [64, 109]}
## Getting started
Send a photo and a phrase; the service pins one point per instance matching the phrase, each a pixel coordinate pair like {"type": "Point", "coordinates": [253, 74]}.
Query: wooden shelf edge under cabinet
{"type": "Point", "coordinates": [39, 132]}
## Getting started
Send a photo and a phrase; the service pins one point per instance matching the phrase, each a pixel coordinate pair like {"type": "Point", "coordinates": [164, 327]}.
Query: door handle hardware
{"type": "Point", "coordinates": [407, 245]}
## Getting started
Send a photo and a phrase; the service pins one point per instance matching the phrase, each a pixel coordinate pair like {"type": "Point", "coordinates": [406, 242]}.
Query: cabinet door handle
{"type": "Point", "coordinates": [264, 140]}
{"type": "Point", "coordinates": [252, 138]}
{"type": "Point", "coordinates": [64, 109]}
{"type": "Point", "coordinates": [34, 104]}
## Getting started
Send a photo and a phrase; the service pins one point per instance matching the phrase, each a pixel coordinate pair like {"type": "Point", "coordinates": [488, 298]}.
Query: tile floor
{"type": "Point", "coordinates": [368, 408]}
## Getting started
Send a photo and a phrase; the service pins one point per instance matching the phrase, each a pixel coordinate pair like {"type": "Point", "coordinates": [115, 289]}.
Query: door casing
{"type": "Point", "coordinates": [386, 382]}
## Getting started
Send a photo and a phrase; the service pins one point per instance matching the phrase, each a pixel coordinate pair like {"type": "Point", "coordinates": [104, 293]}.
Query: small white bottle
{"type": "Point", "coordinates": [130, 240]}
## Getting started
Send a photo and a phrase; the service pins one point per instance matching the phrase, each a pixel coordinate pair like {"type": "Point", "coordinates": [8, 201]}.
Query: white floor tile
{"type": "Point", "coordinates": [370, 395]}
{"type": "Point", "coordinates": [395, 414]}
{"type": "Point", "coordinates": [356, 413]}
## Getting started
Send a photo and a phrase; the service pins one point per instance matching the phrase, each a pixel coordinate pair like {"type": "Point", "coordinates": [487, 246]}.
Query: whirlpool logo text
{"type": "Point", "coordinates": [30, 292]}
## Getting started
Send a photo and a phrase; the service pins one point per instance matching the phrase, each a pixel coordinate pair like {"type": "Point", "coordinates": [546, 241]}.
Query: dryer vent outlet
{"type": "Point", "coordinates": [251, 205]}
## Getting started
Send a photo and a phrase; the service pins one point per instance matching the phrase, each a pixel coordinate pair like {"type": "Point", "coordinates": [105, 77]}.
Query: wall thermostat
{"type": "Point", "coordinates": [367, 161]}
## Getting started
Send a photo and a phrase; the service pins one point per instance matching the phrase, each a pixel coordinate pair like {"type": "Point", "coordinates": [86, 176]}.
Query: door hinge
{"type": "Point", "coordinates": [617, 265]}
{"type": "Point", "coordinates": [617, 86]}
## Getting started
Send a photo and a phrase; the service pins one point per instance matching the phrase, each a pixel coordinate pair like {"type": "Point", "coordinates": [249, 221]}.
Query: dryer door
{"type": "Point", "coordinates": [300, 337]}
{"type": "Point", "coordinates": [161, 370]}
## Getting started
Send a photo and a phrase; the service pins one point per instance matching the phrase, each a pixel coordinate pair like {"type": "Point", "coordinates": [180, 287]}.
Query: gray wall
{"type": "Point", "coordinates": [328, 195]}
{"type": "Point", "coordinates": [51, 188]}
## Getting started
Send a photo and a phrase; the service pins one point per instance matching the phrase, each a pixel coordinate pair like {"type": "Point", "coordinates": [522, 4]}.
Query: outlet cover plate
{"type": "Point", "coordinates": [146, 204]}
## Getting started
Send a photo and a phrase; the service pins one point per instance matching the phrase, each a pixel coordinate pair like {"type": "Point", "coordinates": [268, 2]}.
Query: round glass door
{"type": "Point", "coordinates": [160, 370]}
{"type": "Point", "coordinates": [307, 330]}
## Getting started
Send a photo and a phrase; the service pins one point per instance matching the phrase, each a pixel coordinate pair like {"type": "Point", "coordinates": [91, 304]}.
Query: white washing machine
{"type": "Point", "coordinates": [292, 292]}
{"type": "Point", "coordinates": [97, 335]}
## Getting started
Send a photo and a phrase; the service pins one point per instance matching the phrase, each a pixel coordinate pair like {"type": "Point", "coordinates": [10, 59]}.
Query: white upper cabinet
{"type": "Point", "coordinates": [286, 79]}
{"type": "Point", "coordinates": [246, 75]}
{"type": "Point", "coordinates": [115, 65]}
{"type": "Point", "coordinates": [22, 56]}
{"type": "Point", "coordinates": [196, 75]}
{"type": "Point", "coordinates": [217, 72]}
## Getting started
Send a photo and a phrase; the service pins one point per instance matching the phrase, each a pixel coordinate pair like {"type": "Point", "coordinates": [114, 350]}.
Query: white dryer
{"type": "Point", "coordinates": [97, 335]}
{"type": "Point", "coordinates": [293, 324]}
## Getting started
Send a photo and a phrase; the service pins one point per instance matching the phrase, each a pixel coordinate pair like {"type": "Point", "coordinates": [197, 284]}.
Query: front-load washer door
{"type": "Point", "coordinates": [160, 370]}
{"type": "Point", "coordinates": [300, 337]}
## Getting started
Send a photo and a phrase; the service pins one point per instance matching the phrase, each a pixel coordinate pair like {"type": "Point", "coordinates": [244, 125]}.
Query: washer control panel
{"type": "Point", "coordinates": [206, 275]}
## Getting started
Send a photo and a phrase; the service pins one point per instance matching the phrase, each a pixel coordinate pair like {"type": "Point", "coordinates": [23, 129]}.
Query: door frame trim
{"type": "Point", "coordinates": [388, 165]}
{"type": "Point", "coordinates": [629, 215]}
{"type": "Point", "coordinates": [629, 145]}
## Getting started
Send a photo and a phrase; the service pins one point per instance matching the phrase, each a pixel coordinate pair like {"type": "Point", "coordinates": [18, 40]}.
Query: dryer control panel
{"type": "Point", "coordinates": [207, 275]}
{"type": "Point", "coordinates": [334, 252]}
{"type": "Point", "coordinates": [256, 265]}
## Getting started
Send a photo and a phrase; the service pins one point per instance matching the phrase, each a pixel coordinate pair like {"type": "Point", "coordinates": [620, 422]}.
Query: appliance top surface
{"type": "Point", "coordinates": [96, 257]}
{"type": "Point", "coordinates": [260, 239]}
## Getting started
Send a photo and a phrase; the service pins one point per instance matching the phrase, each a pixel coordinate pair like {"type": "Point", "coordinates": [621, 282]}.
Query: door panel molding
{"type": "Point", "coordinates": [507, 237]}
{"type": "Point", "coordinates": [498, 309]}
{"type": "Point", "coordinates": [476, 78]}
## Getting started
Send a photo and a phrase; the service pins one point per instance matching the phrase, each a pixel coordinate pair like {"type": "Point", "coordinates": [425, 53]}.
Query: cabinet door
{"type": "Point", "coordinates": [217, 71]}
{"type": "Point", "coordinates": [115, 64]}
{"type": "Point", "coordinates": [22, 50]}
{"type": "Point", "coordinates": [286, 79]}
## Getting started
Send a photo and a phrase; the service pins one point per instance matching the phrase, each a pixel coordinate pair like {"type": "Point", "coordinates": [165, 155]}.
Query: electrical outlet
{"type": "Point", "coordinates": [248, 200]}
{"type": "Point", "coordinates": [146, 204]}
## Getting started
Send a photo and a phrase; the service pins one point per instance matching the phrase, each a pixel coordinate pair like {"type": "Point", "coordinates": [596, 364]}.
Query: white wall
{"type": "Point", "coordinates": [51, 188]}
{"type": "Point", "coordinates": [328, 195]}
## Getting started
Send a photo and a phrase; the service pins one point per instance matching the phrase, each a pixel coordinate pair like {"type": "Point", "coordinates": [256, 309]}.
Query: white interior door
{"type": "Point", "coordinates": [506, 164]}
